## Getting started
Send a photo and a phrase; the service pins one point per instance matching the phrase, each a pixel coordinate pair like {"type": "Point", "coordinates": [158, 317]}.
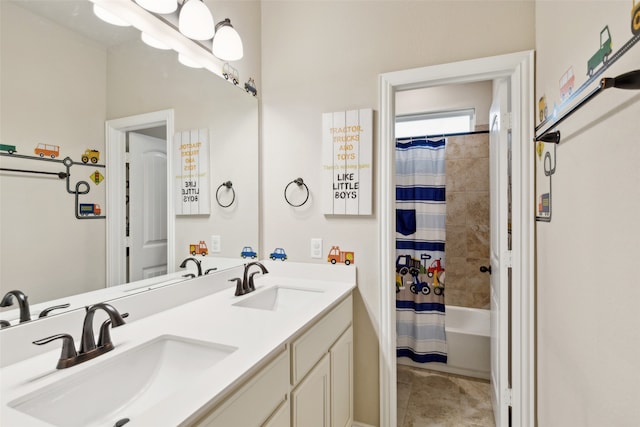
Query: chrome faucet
{"type": "Point", "coordinates": [246, 285]}
{"type": "Point", "coordinates": [23, 304]}
{"type": "Point", "coordinates": [88, 347]}
{"type": "Point", "coordinates": [184, 264]}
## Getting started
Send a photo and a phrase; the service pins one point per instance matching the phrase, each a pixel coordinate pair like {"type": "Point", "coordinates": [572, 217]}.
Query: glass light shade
{"type": "Point", "coordinates": [195, 20]}
{"type": "Point", "coordinates": [153, 42]}
{"type": "Point", "coordinates": [227, 44]}
{"type": "Point", "coordinates": [109, 17]}
{"type": "Point", "coordinates": [188, 62]}
{"type": "Point", "coordinates": [159, 6]}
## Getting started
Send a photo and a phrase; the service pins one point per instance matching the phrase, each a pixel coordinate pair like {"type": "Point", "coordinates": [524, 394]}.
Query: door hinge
{"type": "Point", "coordinates": [508, 397]}
{"type": "Point", "coordinates": [507, 259]}
{"type": "Point", "coordinates": [507, 120]}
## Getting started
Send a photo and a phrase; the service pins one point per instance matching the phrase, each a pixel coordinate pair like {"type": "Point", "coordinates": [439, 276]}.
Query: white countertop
{"type": "Point", "coordinates": [256, 333]}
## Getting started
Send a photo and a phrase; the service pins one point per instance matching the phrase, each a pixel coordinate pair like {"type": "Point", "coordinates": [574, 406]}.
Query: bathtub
{"type": "Point", "coordinates": [468, 342]}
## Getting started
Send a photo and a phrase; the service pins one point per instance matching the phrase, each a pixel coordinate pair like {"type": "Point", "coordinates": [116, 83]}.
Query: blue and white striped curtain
{"type": "Point", "coordinates": [420, 239]}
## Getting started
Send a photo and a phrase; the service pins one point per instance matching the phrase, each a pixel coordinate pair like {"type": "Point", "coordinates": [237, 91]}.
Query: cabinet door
{"type": "Point", "coordinates": [342, 380]}
{"type": "Point", "coordinates": [310, 400]}
{"type": "Point", "coordinates": [280, 418]}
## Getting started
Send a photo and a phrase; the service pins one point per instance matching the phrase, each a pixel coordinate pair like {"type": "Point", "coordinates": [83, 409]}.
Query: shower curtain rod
{"type": "Point", "coordinates": [447, 135]}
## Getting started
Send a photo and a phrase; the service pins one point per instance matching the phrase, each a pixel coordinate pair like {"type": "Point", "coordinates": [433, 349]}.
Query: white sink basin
{"type": "Point", "coordinates": [280, 298]}
{"type": "Point", "coordinates": [123, 386]}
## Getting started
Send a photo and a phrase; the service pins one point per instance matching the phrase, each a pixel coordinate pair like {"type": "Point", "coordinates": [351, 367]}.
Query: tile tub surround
{"type": "Point", "coordinates": [258, 334]}
{"type": "Point", "coordinates": [467, 224]}
{"type": "Point", "coordinates": [429, 399]}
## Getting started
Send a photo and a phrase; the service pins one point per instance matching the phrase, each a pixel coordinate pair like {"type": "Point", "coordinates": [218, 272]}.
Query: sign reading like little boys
{"type": "Point", "coordinates": [347, 139]}
{"type": "Point", "coordinates": [192, 172]}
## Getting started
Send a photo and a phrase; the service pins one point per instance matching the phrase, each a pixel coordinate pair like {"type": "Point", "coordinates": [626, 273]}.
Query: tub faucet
{"type": "Point", "coordinates": [23, 304]}
{"type": "Point", "coordinates": [88, 347]}
{"type": "Point", "coordinates": [184, 264]}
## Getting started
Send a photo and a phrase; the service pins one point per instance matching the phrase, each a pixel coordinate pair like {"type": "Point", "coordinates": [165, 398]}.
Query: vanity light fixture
{"type": "Point", "coordinates": [159, 6]}
{"type": "Point", "coordinates": [195, 20]}
{"type": "Point", "coordinates": [109, 17]}
{"type": "Point", "coordinates": [227, 44]}
{"type": "Point", "coordinates": [188, 62]}
{"type": "Point", "coordinates": [153, 42]}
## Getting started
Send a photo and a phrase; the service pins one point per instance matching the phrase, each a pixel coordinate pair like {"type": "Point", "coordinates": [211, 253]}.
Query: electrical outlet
{"type": "Point", "coordinates": [316, 248]}
{"type": "Point", "coordinates": [215, 244]}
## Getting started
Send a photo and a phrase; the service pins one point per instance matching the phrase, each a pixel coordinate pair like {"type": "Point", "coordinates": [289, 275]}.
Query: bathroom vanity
{"type": "Point", "coordinates": [279, 356]}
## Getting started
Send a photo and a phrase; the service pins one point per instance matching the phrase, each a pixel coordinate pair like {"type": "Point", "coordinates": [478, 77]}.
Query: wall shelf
{"type": "Point", "coordinates": [81, 187]}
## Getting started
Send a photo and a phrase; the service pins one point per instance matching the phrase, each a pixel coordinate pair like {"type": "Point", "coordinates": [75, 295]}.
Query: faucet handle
{"type": "Point", "coordinates": [239, 289]}
{"type": "Point", "coordinates": [46, 311]}
{"type": "Point", "coordinates": [68, 346]}
{"type": "Point", "coordinates": [104, 337]}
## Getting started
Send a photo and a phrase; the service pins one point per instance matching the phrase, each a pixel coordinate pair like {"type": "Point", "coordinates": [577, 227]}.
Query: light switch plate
{"type": "Point", "coordinates": [215, 243]}
{"type": "Point", "coordinates": [316, 248]}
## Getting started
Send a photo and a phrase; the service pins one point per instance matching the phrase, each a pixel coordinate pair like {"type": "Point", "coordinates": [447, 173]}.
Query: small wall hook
{"type": "Point", "coordinates": [300, 183]}
{"type": "Point", "coordinates": [229, 186]}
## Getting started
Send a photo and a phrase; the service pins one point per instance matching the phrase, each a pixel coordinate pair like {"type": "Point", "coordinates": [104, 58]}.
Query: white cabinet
{"type": "Point", "coordinates": [322, 371]}
{"type": "Point", "coordinates": [342, 380]}
{"type": "Point", "coordinates": [255, 402]}
{"type": "Point", "coordinates": [310, 385]}
{"type": "Point", "coordinates": [280, 418]}
{"type": "Point", "coordinates": [311, 398]}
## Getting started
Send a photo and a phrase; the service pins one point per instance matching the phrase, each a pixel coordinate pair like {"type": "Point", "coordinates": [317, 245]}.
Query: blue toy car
{"type": "Point", "coordinates": [278, 253]}
{"type": "Point", "coordinates": [248, 252]}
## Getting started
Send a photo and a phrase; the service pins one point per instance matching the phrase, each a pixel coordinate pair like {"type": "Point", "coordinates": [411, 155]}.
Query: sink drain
{"type": "Point", "coordinates": [121, 422]}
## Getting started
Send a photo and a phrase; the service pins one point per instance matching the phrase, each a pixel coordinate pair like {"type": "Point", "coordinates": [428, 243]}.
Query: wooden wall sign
{"type": "Point", "coordinates": [191, 151]}
{"type": "Point", "coordinates": [347, 139]}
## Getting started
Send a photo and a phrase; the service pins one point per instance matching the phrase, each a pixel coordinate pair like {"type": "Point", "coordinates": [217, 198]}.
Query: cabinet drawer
{"type": "Point", "coordinates": [255, 401]}
{"type": "Point", "coordinates": [314, 343]}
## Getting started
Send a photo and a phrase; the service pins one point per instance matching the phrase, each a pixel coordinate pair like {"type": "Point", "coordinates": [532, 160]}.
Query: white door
{"type": "Point", "coordinates": [498, 153]}
{"type": "Point", "coordinates": [147, 206]}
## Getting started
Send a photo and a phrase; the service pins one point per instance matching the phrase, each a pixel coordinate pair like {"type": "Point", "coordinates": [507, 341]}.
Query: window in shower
{"type": "Point", "coordinates": [435, 123]}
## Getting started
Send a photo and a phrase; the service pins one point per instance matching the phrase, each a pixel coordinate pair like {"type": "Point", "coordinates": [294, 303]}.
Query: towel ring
{"type": "Point", "coordinates": [300, 183]}
{"type": "Point", "coordinates": [229, 186]}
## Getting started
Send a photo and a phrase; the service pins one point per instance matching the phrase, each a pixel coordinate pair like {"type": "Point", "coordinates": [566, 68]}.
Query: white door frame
{"type": "Point", "coordinates": [116, 137]}
{"type": "Point", "coordinates": [519, 68]}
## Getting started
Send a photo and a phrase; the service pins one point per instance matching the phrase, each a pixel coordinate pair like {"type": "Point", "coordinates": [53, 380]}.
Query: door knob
{"type": "Point", "coordinates": [485, 269]}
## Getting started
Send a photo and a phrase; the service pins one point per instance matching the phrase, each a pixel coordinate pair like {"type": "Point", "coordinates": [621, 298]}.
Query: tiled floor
{"type": "Point", "coordinates": [434, 399]}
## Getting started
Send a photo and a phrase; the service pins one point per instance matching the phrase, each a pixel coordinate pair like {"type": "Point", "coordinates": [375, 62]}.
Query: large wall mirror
{"type": "Point", "coordinates": [64, 75]}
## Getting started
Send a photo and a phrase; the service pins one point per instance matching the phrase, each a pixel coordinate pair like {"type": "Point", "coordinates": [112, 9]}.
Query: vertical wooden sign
{"type": "Point", "coordinates": [191, 151]}
{"type": "Point", "coordinates": [347, 139]}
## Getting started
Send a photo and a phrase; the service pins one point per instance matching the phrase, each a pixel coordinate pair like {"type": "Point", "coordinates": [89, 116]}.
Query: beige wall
{"type": "Point", "coordinates": [587, 256]}
{"type": "Point", "coordinates": [50, 94]}
{"type": "Point", "coordinates": [324, 56]}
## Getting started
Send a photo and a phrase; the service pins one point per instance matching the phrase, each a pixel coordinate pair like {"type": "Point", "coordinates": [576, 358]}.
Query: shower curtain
{"type": "Point", "coordinates": [420, 241]}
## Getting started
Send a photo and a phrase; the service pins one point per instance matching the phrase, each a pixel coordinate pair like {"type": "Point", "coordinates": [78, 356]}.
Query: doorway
{"type": "Point", "coordinates": [517, 68]}
{"type": "Point", "coordinates": [117, 133]}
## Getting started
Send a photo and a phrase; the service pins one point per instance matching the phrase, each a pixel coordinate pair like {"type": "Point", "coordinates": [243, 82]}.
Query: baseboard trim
{"type": "Point", "coordinates": [357, 424]}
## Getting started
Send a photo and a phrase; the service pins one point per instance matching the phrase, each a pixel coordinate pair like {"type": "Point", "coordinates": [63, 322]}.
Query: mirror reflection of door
{"type": "Point", "coordinates": [147, 204]}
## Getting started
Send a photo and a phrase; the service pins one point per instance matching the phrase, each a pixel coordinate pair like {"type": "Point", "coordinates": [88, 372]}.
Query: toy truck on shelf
{"type": "Point", "coordinates": [336, 255]}
{"type": "Point", "coordinates": [93, 155]}
{"type": "Point", "coordinates": [89, 209]}
{"type": "Point", "coordinates": [405, 264]}
{"type": "Point", "coordinates": [48, 150]}
{"type": "Point", "coordinates": [229, 72]}
{"type": "Point", "coordinates": [8, 148]}
{"type": "Point", "coordinates": [199, 249]}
